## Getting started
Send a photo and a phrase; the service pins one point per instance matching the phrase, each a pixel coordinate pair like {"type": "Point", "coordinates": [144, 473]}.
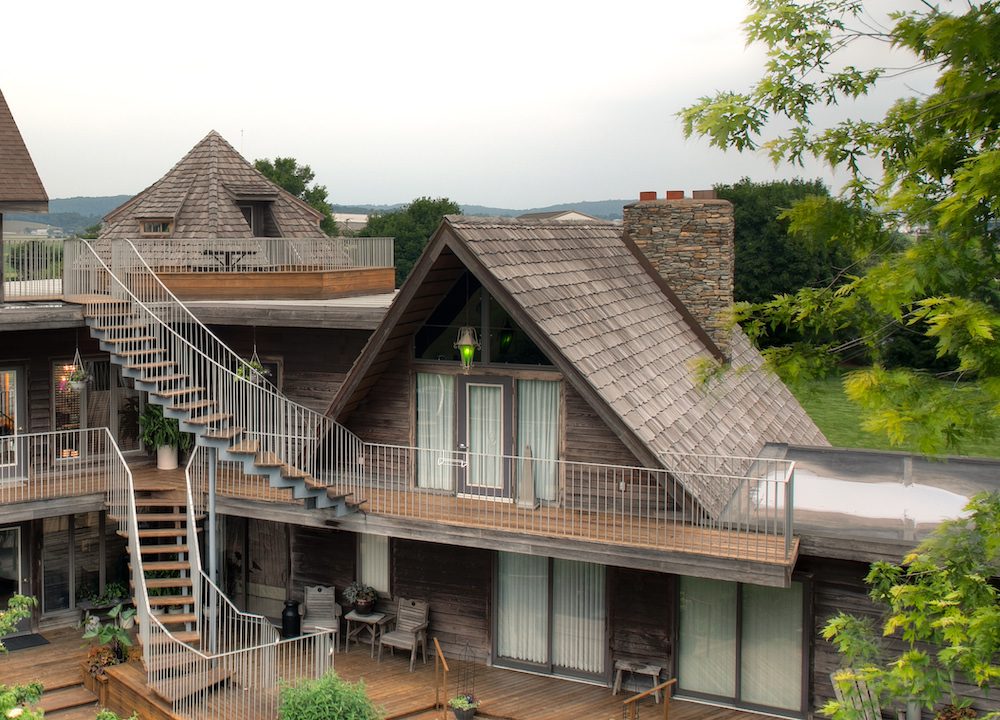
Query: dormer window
{"type": "Point", "coordinates": [155, 228]}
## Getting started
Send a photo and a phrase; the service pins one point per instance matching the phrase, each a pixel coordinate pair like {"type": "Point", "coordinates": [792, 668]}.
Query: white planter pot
{"type": "Point", "coordinates": [166, 457]}
{"type": "Point", "coordinates": [78, 386]}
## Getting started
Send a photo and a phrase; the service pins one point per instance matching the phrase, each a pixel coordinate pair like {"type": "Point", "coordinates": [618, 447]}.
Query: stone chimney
{"type": "Point", "coordinates": [690, 243]}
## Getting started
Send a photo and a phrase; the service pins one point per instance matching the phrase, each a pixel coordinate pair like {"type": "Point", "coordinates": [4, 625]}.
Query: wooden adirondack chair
{"type": "Point", "coordinates": [857, 695]}
{"type": "Point", "coordinates": [321, 610]}
{"type": "Point", "coordinates": [410, 630]}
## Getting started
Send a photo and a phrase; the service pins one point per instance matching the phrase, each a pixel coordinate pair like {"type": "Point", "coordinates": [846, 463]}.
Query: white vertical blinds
{"type": "Point", "coordinates": [523, 608]}
{"type": "Point", "coordinates": [707, 652]}
{"type": "Point", "coordinates": [435, 429]}
{"type": "Point", "coordinates": [771, 646]}
{"type": "Point", "coordinates": [578, 616]}
{"type": "Point", "coordinates": [538, 434]}
{"type": "Point", "coordinates": [485, 439]}
{"type": "Point", "coordinates": [373, 561]}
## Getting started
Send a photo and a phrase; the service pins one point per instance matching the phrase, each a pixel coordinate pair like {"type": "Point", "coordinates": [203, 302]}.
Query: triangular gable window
{"type": "Point", "coordinates": [468, 303]}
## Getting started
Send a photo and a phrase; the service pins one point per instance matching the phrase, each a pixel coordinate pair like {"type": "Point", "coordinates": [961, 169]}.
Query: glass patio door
{"type": "Point", "coordinates": [551, 615]}
{"type": "Point", "coordinates": [11, 562]}
{"type": "Point", "coordinates": [484, 435]}
{"type": "Point", "coordinates": [12, 418]}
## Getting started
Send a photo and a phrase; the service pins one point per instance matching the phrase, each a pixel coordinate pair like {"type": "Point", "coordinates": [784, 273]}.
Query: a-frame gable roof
{"type": "Point", "coordinates": [20, 187]}
{"type": "Point", "coordinates": [584, 297]}
{"type": "Point", "coordinates": [200, 193]}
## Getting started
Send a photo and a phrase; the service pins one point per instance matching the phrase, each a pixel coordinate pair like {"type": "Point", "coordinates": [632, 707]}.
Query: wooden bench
{"type": "Point", "coordinates": [636, 668]}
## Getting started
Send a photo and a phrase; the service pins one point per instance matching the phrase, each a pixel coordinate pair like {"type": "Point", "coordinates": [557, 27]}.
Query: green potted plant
{"type": "Point", "coordinates": [77, 379]}
{"type": "Point", "coordinates": [464, 706]}
{"type": "Point", "coordinates": [162, 434]}
{"type": "Point", "coordinates": [361, 596]}
{"type": "Point", "coordinates": [253, 370]}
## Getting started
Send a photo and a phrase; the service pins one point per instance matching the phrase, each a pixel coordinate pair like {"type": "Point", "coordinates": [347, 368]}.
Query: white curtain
{"type": "Point", "coordinates": [538, 434]}
{"type": "Point", "coordinates": [523, 608]}
{"type": "Point", "coordinates": [771, 646]}
{"type": "Point", "coordinates": [373, 561]}
{"type": "Point", "coordinates": [707, 652]}
{"type": "Point", "coordinates": [485, 439]}
{"type": "Point", "coordinates": [435, 429]}
{"type": "Point", "coordinates": [578, 616]}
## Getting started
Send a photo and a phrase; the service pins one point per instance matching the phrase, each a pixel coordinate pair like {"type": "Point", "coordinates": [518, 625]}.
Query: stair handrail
{"type": "Point", "coordinates": [300, 426]}
{"type": "Point", "coordinates": [630, 708]}
{"type": "Point", "coordinates": [440, 681]}
{"type": "Point", "coordinates": [195, 560]}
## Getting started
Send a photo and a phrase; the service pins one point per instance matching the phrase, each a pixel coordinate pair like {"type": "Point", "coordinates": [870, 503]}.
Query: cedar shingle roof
{"type": "Point", "coordinates": [200, 192]}
{"type": "Point", "coordinates": [620, 339]}
{"type": "Point", "coordinates": [20, 186]}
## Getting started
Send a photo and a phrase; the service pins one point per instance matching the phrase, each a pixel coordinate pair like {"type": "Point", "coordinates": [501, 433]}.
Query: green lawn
{"type": "Point", "coordinates": [840, 420]}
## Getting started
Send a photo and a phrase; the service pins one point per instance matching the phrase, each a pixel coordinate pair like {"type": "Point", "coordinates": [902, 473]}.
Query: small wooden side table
{"type": "Point", "coordinates": [636, 668]}
{"type": "Point", "coordinates": [374, 623]}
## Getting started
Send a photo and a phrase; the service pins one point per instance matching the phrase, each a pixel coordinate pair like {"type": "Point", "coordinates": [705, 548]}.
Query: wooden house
{"type": "Point", "coordinates": [549, 434]}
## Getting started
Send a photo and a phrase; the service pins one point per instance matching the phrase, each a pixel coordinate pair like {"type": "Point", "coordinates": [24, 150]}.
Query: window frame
{"type": "Point", "coordinates": [148, 228]}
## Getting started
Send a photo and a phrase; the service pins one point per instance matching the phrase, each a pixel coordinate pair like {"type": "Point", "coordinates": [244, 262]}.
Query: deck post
{"type": "Point", "coordinates": [1, 260]}
{"type": "Point", "coordinates": [213, 558]}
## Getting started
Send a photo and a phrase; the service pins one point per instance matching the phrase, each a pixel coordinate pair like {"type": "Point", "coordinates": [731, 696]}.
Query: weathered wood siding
{"type": "Point", "coordinates": [314, 361]}
{"type": "Point", "coordinates": [322, 556]}
{"type": "Point", "coordinates": [291, 284]}
{"type": "Point", "coordinates": [457, 582]}
{"type": "Point", "coordinates": [384, 416]}
{"type": "Point", "coordinates": [839, 586]}
{"type": "Point", "coordinates": [641, 617]}
{"type": "Point", "coordinates": [34, 351]}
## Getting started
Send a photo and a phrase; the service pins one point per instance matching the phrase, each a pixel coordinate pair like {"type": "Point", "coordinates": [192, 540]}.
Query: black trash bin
{"type": "Point", "coordinates": [291, 623]}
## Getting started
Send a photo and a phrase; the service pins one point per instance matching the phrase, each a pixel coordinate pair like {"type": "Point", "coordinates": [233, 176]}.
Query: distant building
{"type": "Point", "coordinates": [350, 222]}
{"type": "Point", "coordinates": [559, 216]}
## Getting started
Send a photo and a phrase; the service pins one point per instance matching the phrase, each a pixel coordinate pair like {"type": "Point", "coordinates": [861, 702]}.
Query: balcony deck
{"type": "Point", "coordinates": [504, 693]}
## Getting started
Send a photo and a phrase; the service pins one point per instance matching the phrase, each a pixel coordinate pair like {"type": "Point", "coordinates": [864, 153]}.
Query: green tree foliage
{"type": "Point", "coordinates": [296, 179]}
{"type": "Point", "coordinates": [412, 226]}
{"type": "Point", "coordinates": [938, 160]}
{"type": "Point", "coordinates": [770, 261]}
{"type": "Point", "coordinates": [941, 611]}
{"type": "Point", "coordinates": [18, 608]}
{"type": "Point", "coordinates": [328, 698]}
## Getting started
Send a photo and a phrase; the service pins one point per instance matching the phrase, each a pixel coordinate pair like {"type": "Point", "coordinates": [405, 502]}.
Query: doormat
{"type": "Point", "coordinates": [23, 642]}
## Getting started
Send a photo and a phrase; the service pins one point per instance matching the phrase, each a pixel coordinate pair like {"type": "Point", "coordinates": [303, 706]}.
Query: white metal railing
{"type": "Point", "coordinates": [280, 430]}
{"type": "Point", "coordinates": [638, 506]}
{"type": "Point", "coordinates": [239, 654]}
{"type": "Point", "coordinates": [65, 463]}
{"type": "Point", "coordinates": [31, 269]}
{"type": "Point", "coordinates": [246, 255]}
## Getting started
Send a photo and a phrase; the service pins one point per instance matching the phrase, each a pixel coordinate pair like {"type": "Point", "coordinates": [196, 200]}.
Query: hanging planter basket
{"type": "Point", "coordinates": [78, 377]}
{"type": "Point", "coordinates": [253, 370]}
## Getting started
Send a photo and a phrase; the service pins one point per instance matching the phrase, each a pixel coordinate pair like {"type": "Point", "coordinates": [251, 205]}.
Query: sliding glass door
{"type": "Point", "coordinates": [742, 643]}
{"type": "Point", "coordinates": [484, 434]}
{"type": "Point", "coordinates": [12, 421]}
{"type": "Point", "coordinates": [12, 569]}
{"type": "Point", "coordinates": [551, 615]}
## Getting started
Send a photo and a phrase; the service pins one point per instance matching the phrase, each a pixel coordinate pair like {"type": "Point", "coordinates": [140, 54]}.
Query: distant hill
{"type": "Point", "coordinates": [604, 209]}
{"type": "Point", "coordinates": [77, 213]}
{"type": "Point", "coordinates": [73, 214]}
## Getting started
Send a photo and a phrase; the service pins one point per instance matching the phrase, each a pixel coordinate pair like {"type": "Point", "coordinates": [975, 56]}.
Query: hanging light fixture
{"type": "Point", "coordinates": [467, 344]}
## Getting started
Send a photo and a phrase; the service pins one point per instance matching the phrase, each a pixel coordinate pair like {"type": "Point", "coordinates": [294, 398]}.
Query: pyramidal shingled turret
{"type": "Point", "coordinates": [20, 187]}
{"type": "Point", "coordinates": [213, 192]}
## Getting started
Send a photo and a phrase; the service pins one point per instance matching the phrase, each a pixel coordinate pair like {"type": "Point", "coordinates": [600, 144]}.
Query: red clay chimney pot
{"type": "Point", "coordinates": [675, 195]}
{"type": "Point", "coordinates": [647, 195]}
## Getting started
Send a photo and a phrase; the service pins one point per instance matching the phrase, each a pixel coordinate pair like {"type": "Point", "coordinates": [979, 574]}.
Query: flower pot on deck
{"type": "Point", "coordinates": [464, 713]}
{"type": "Point", "coordinates": [166, 457]}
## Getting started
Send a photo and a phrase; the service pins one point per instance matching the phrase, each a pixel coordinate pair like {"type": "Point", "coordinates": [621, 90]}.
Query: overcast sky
{"type": "Point", "coordinates": [514, 104]}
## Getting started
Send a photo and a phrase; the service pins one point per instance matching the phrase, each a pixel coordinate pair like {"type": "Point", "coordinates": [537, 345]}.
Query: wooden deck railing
{"type": "Point", "coordinates": [630, 706]}
{"type": "Point", "coordinates": [633, 506]}
{"type": "Point", "coordinates": [66, 463]}
{"type": "Point", "coordinates": [440, 680]}
{"type": "Point", "coordinates": [31, 269]}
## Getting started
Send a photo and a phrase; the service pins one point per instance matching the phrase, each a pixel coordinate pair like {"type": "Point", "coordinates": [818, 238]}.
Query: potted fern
{"type": "Point", "coordinates": [163, 435]}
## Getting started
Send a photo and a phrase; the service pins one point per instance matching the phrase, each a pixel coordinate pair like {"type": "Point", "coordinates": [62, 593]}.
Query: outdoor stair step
{"type": "Point", "coordinates": [171, 600]}
{"type": "Point", "coordinates": [164, 549]}
{"type": "Point", "coordinates": [156, 565]}
{"type": "Point", "coordinates": [179, 392]}
{"type": "Point", "coordinates": [209, 419]}
{"type": "Point", "coordinates": [56, 700]}
{"type": "Point", "coordinates": [158, 365]}
{"type": "Point", "coordinates": [169, 495]}
{"type": "Point", "coordinates": [268, 459]}
{"type": "Point", "coordinates": [140, 353]}
{"type": "Point", "coordinates": [247, 447]}
{"type": "Point", "coordinates": [172, 662]}
{"type": "Point", "coordinates": [121, 326]}
{"type": "Point", "coordinates": [190, 637]}
{"type": "Point", "coordinates": [184, 686]}
{"type": "Point", "coordinates": [173, 377]}
{"type": "Point", "coordinates": [194, 405]}
{"type": "Point", "coordinates": [172, 618]}
{"type": "Point", "coordinates": [161, 517]}
{"type": "Point", "coordinates": [293, 472]}
{"type": "Point", "coordinates": [222, 433]}
{"type": "Point", "coordinates": [135, 338]}
{"type": "Point", "coordinates": [160, 533]}
{"type": "Point", "coordinates": [172, 582]}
